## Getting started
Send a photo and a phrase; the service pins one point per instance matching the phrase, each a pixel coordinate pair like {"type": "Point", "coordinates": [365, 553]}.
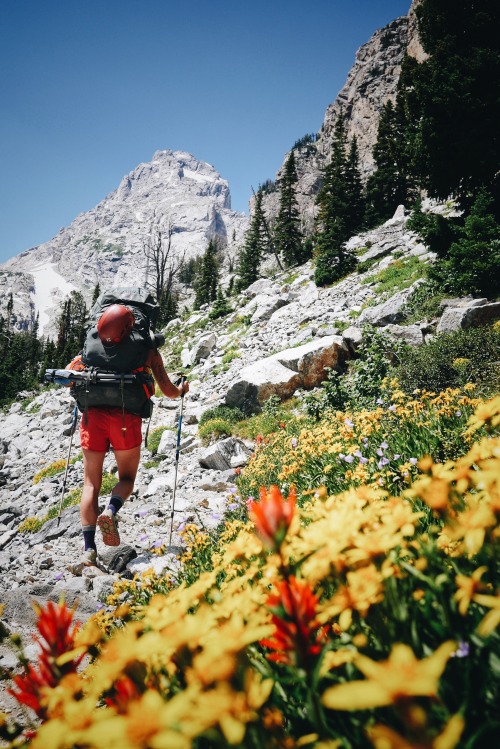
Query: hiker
{"type": "Point", "coordinates": [103, 427]}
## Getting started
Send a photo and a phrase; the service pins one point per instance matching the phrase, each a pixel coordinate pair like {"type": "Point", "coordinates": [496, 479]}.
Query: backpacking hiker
{"type": "Point", "coordinates": [119, 344]}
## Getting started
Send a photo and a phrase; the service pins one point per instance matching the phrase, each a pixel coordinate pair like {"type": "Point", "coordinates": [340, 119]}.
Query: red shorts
{"type": "Point", "coordinates": [104, 427]}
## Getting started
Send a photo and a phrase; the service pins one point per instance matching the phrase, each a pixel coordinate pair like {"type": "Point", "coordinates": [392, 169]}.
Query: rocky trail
{"type": "Point", "coordinates": [282, 335]}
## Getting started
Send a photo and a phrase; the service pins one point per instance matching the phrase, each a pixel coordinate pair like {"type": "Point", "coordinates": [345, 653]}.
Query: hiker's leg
{"type": "Point", "coordinates": [92, 479]}
{"type": "Point", "coordinates": [128, 463]}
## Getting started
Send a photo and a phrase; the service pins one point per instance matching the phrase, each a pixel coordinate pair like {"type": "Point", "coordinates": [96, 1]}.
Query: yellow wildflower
{"type": "Point", "coordinates": [467, 588]}
{"type": "Point", "coordinates": [399, 677]}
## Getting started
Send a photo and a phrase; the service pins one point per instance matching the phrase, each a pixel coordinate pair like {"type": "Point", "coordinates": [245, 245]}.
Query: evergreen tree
{"type": "Point", "coordinates": [19, 357]}
{"type": "Point", "coordinates": [221, 306]}
{"type": "Point", "coordinates": [96, 293]}
{"type": "Point", "coordinates": [355, 199]}
{"type": "Point", "coordinates": [72, 326]}
{"type": "Point", "coordinates": [333, 260]}
{"type": "Point", "coordinates": [472, 263]}
{"type": "Point", "coordinates": [168, 304]}
{"type": "Point", "coordinates": [254, 247]}
{"type": "Point", "coordinates": [387, 187]}
{"type": "Point", "coordinates": [287, 233]}
{"type": "Point", "coordinates": [453, 99]}
{"type": "Point", "coordinates": [208, 277]}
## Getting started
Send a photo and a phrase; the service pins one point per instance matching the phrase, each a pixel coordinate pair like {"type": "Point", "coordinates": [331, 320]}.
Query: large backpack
{"type": "Point", "coordinates": [128, 356]}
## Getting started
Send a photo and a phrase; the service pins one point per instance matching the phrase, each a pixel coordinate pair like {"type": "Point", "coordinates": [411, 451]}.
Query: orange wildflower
{"type": "Point", "coordinates": [272, 515]}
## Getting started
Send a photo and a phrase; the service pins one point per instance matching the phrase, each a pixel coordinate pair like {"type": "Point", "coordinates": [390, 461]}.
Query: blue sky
{"type": "Point", "coordinates": [91, 88]}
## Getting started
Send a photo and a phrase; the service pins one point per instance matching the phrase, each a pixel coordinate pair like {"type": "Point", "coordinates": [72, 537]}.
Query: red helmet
{"type": "Point", "coordinates": [115, 324]}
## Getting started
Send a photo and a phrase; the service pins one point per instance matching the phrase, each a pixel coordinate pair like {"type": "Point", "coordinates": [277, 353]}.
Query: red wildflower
{"type": "Point", "coordinates": [56, 636]}
{"type": "Point", "coordinates": [272, 515]}
{"type": "Point", "coordinates": [298, 635]}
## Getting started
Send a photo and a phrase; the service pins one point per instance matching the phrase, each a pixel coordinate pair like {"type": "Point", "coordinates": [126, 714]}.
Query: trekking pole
{"type": "Point", "coordinates": [177, 450]}
{"type": "Point", "coordinates": [72, 431]}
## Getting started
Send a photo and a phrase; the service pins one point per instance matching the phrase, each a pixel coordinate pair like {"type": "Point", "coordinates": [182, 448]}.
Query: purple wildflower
{"type": "Point", "coordinates": [59, 576]}
{"type": "Point", "coordinates": [143, 538]}
{"type": "Point", "coordinates": [363, 459]}
{"type": "Point", "coordinates": [384, 445]}
{"type": "Point", "coordinates": [382, 462]}
{"type": "Point", "coordinates": [414, 461]}
{"type": "Point", "coordinates": [294, 442]}
{"type": "Point", "coordinates": [379, 401]}
{"type": "Point", "coordinates": [397, 456]}
{"type": "Point", "coordinates": [392, 408]}
{"type": "Point", "coordinates": [158, 544]}
{"type": "Point", "coordinates": [348, 423]}
{"type": "Point", "coordinates": [462, 651]}
{"type": "Point", "coordinates": [233, 506]}
{"type": "Point", "coordinates": [380, 452]}
{"type": "Point", "coordinates": [458, 413]}
{"type": "Point", "coordinates": [349, 458]}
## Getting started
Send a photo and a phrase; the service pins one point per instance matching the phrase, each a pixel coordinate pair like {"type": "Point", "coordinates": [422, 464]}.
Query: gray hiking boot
{"type": "Point", "coordinates": [87, 559]}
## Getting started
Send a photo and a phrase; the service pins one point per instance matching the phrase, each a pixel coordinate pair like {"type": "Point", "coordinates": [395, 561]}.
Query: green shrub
{"type": "Point", "coordinates": [231, 415]}
{"type": "Point", "coordinates": [398, 275]}
{"type": "Point", "coordinates": [214, 429]}
{"type": "Point", "coordinates": [437, 365]}
{"type": "Point", "coordinates": [424, 302]}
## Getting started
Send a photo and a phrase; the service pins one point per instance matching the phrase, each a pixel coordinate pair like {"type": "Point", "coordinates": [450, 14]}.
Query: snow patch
{"type": "Point", "coordinates": [50, 289]}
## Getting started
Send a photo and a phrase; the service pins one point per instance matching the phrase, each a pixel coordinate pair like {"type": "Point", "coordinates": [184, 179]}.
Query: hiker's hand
{"type": "Point", "coordinates": [184, 388]}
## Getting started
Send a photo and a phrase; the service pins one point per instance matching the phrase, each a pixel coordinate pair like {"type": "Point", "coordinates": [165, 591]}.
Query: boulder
{"type": "Point", "coordinates": [391, 311]}
{"type": "Point", "coordinates": [267, 306]}
{"type": "Point", "coordinates": [283, 373]}
{"type": "Point", "coordinates": [225, 454]}
{"type": "Point", "coordinates": [410, 334]}
{"type": "Point", "coordinates": [202, 348]}
{"type": "Point", "coordinates": [311, 359]}
{"type": "Point", "coordinates": [472, 316]}
{"type": "Point", "coordinates": [353, 338]}
{"type": "Point", "coordinates": [258, 381]}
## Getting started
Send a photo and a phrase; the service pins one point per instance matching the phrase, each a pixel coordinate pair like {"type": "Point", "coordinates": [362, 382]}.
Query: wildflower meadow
{"type": "Point", "coordinates": [350, 598]}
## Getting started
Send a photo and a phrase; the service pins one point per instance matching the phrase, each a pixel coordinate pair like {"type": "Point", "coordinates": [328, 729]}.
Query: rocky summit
{"type": "Point", "coordinates": [107, 243]}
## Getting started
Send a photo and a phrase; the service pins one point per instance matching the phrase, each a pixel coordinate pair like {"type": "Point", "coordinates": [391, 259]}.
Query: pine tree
{"type": "Point", "coordinates": [287, 234]}
{"type": "Point", "coordinates": [333, 260]}
{"type": "Point", "coordinates": [208, 277]}
{"type": "Point", "coordinates": [387, 187]}
{"type": "Point", "coordinates": [71, 328]}
{"type": "Point", "coordinates": [355, 199]}
{"type": "Point", "coordinates": [254, 247]}
{"type": "Point", "coordinates": [472, 263]}
{"type": "Point", "coordinates": [168, 304]}
{"type": "Point", "coordinates": [221, 306]}
{"type": "Point", "coordinates": [96, 293]}
{"type": "Point", "coordinates": [453, 99]}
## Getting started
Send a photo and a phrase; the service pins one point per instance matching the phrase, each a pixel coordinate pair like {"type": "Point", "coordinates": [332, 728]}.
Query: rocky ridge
{"type": "Point", "coordinates": [371, 83]}
{"type": "Point", "coordinates": [106, 244]}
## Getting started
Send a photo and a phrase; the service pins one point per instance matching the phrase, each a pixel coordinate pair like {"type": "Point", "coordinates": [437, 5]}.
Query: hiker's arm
{"type": "Point", "coordinates": [165, 384]}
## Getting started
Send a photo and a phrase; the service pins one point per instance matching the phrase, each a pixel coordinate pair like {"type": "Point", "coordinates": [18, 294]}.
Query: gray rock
{"type": "Point", "coordinates": [69, 526]}
{"type": "Point", "coordinates": [454, 318]}
{"type": "Point", "coordinates": [220, 455]}
{"type": "Point", "coordinates": [202, 348]}
{"type": "Point", "coordinates": [168, 442]}
{"type": "Point", "coordinates": [266, 307]}
{"type": "Point", "coordinates": [390, 311]}
{"type": "Point", "coordinates": [411, 334]}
